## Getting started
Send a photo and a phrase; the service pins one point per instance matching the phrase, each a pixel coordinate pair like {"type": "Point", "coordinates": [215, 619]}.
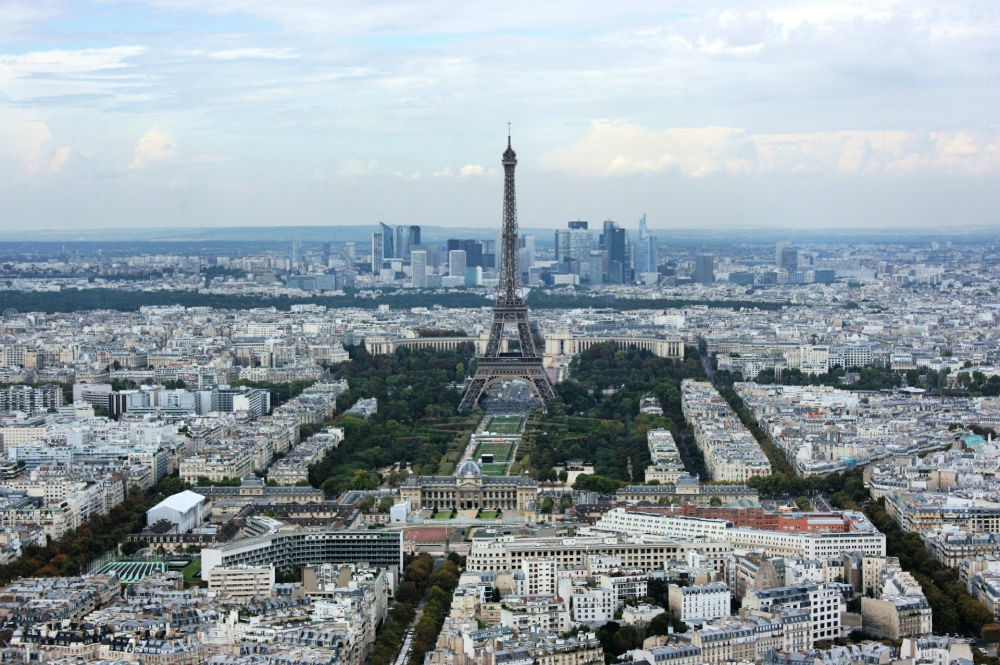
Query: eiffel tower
{"type": "Point", "coordinates": [525, 363]}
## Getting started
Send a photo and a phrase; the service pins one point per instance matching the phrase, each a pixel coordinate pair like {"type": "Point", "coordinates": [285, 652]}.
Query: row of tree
{"type": "Point", "coordinates": [417, 418]}
{"type": "Point", "coordinates": [595, 415]}
{"type": "Point", "coordinates": [74, 552]}
{"type": "Point", "coordinates": [955, 610]}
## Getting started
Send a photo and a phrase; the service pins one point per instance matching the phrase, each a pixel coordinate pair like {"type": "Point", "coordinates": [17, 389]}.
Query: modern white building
{"type": "Point", "coordinates": [456, 263]}
{"type": "Point", "coordinates": [418, 266]}
{"type": "Point", "coordinates": [242, 581]}
{"type": "Point", "coordinates": [183, 509]}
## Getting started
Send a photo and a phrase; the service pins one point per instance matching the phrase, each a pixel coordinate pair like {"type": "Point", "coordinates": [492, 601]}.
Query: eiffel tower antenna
{"type": "Point", "coordinates": [524, 364]}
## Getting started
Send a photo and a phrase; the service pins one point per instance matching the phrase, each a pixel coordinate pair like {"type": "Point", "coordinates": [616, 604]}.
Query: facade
{"type": "Point", "coordinates": [241, 581]}
{"type": "Point", "coordinates": [704, 269]}
{"type": "Point", "coordinates": [495, 553]}
{"type": "Point", "coordinates": [700, 603]}
{"type": "Point", "coordinates": [457, 263]}
{"type": "Point", "coordinates": [686, 490]}
{"type": "Point", "coordinates": [810, 535]}
{"type": "Point", "coordinates": [418, 267]}
{"type": "Point", "coordinates": [469, 489]}
{"type": "Point", "coordinates": [286, 550]}
{"type": "Point", "coordinates": [378, 253]}
{"type": "Point", "coordinates": [824, 602]}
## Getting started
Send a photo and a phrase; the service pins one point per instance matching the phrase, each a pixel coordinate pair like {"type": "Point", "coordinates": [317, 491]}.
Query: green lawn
{"type": "Point", "coordinates": [192, 572]}
{"type": "Point", "coordinates": [494, 469]}
{"type": "Point", "coordinates": [501, 451]}
{"type": "Point", "coordinates": [444, 515]}
{"type": "Point", "coordinates": [488, 515]}
{"type": "Point", "coordinates": [505, 424]}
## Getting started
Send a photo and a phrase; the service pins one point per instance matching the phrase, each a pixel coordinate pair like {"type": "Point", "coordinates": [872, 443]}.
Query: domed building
{"type": "Point", "coordinates": [470, 489]}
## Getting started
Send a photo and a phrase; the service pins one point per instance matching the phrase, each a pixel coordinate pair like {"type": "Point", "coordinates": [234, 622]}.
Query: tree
{"type": "Point", "coordinates": [715, 501]}
{"type": "Point", "coordinates": [365, 480]}
{"type": "Point", "coordinates": [659, 625]}
{"type": "Point", "coordinates": [384, 504]}
{"type": "Point", "coordinates": [366, 503]}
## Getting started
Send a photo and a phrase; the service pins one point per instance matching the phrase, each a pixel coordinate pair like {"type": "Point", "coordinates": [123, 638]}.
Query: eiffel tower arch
{"type": "Point", "coordinates": [524, 363]}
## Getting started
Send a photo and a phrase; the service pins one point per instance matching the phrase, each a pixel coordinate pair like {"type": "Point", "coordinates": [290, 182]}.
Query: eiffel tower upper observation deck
{"type": "Point", "coordinates": [524, 363]}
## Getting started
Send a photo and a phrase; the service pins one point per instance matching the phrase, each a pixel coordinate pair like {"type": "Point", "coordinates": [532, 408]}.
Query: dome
{"type": "Point", "coordinates": [469, 469]}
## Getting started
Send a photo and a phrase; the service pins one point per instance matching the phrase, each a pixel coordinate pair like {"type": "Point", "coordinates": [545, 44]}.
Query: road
{"type": "Point", "coordinates": [820, 503]}
{"type": "Point", "coordinates": [706, 363]}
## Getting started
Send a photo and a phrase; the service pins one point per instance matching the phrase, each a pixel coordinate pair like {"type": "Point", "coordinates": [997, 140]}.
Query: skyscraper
{"type": "Point", "coordinates": [296, 253]}
{"type": "Point", "coordinates": [388, 248]}
{"type": "Point", "coordinates": [378, 252]}
{"type": "Point", "coordinates": [614, 240]}
{"type": "Point", "coordinates": [456, 263]}
{"type": "Point", "coordinates": [789, 259]}
{"type": "Point", "coordinates": [527, 252]}
{"type": "Point", "coordinates": [418, 266]}
{"type": "Point", "coordinates": [473, 250]}
{"type": "Point", "coordinates": [778, 249]}
{"type": "Point", "coordinates": [646, 250]}
{"type": "Point", "coordinates": [407, 237]}
{"type": "Point", "coordinates": [574, 243]}
{"type": "Point", "coordinates": [704, 268]}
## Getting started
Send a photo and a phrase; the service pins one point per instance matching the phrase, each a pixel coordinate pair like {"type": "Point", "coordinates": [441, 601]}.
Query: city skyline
{"type": "Point", "coordinates": [167, 113]}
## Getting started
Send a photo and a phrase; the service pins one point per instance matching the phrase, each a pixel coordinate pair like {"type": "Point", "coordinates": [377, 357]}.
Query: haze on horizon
{"type": "Point", "coordinates": [303, 112]}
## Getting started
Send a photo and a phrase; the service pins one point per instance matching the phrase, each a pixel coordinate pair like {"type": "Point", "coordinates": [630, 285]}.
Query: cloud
{"type": "Point", "coordinates": [616, 148]}
{"type": "Point", "coordinates": [471, 170]}
{"type": "Point", "coordinates": [255, 53]}
{"type": "Point", "coordinates": [352, 166]}
{"type": "Point", "coordinates": [23, 135]}
{"type": "Point", "coordinates": [55, 73]}
{"type": "Point", "coordinates": [154, 146]}
{"type": "Point", "coordinates": [59, 159]}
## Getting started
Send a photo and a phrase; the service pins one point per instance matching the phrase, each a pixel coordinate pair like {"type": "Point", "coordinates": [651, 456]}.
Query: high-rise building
{"type": "Point", "coordinates": [614, 240]}
{"type": "Point", "coordinates": [646, 250]}
{"type": "Point", "coordinates": [704, 268]}
{"type": "Point", "coordinates": [456, 263]}
{"type": "Point", "coordinates": [789, 259]}
{"type": "Point", "coordinates": [349, 251]}
{"type": "Point", "coordinates": [473, 251]}
{"type": "Point", "coordinates": [418, 266]}
{"type": "Point", "coordinates": [407, 237]}
{"type": "Point", "coordinates": [296, 253]}
{"type": "Point", "coordinates": [378, 252]}
{"type": "Point", "coordinates": [778, 249]}
{"type": "Point", "coordinates": [574, 243]}
{"type": "Point", "coordinates": [527, 252]}
{"type": "Point", "coordinates": [388, 246]}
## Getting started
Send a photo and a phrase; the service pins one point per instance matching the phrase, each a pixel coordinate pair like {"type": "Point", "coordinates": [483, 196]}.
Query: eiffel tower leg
{"type": "Point", "coordinates": [472, 393]}
{"type": "Point", "coordinates": [524, 336]}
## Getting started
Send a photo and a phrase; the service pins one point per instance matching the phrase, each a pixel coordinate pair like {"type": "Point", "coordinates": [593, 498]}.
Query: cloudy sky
{"type": "Point", "coordinates": [232, 112]}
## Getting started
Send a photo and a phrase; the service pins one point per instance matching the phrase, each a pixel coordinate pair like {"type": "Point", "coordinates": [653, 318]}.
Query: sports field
{"type": "Point", "coordinates": [133, 571]}
{"type": "Point", "coordinates": [505, 424]}
{"type": "Point", "coordinates": [501, 456]}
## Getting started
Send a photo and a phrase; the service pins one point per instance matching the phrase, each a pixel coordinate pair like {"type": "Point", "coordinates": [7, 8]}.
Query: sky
{"type": "Point", "coordinates": [803, 114]}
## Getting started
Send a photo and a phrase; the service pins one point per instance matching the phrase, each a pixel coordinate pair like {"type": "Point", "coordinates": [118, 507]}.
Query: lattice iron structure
{"type": "Point", "coordinates": [510, 309]}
